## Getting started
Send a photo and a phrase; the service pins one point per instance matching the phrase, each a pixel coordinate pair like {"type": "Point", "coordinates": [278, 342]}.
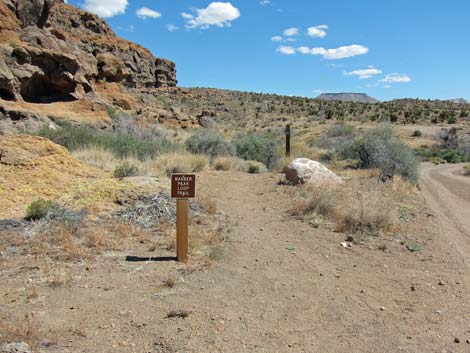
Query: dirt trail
{"type": "Point", "coordinates": [283, 286]}
{"type": "Point", "coordinates": [280, 285]}
{"type": "Point", "coordinates": [448, 194]}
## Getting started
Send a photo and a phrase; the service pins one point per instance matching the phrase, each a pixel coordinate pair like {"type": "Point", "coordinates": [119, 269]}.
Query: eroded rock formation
{"type": "Point", "coordinates": [51, 51]}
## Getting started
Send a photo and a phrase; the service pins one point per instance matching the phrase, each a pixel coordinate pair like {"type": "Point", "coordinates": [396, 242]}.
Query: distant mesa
{"type": "Point", "coordinates": [348, 97]}
{"type": "Point", "coordinates": [459, 101]}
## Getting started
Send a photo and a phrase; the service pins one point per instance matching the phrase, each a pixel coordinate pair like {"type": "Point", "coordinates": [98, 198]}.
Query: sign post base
{"type": "Point", "coordinates": [182, 230]}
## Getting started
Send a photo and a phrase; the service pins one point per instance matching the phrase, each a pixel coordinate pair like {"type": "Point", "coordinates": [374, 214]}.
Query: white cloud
{"type": "Point", "coordinates": [303, 50]}
{"type": "Point", "coordinates": [387, 86]}
{"type": "Point", "coordinates": [317, 31]}
{"type": "Point", "coordinates": [171, 27]}
{"type": "Point", "coordinates": [364, 73]}
{"type": "Point", "coordinates": [341, 52]}
{"type": "Point", "coordinates": [276, 39]}
{"type": "Point", "coordinates": [289, 32]}
{"type": "Point", "coordinates": [396, 78]}
{"type": "Point", "coordinates": [220, 14]}
{"type": "Point", "coordinates": [186, 15]}
{"type": "Point", "coordinates": [286, 50]}
{"type": "Point", "coordinates": [106, 8]}
{"type": "Point", "coordinates": [145, 12]}
{"type": "Point", "coordinates": [264, 2]}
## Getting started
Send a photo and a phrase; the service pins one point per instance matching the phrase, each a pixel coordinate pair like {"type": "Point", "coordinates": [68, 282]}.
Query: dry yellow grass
{"type": "Point", "coordinates": [33, 167]}
{"type": "Point", "coordinates": [98, 157]}
{"type": "Point", "coordinates": [225, 164]}
{"type": "Point", "coordinates": [181, 162]}
{"type": "Point", "coordinates": [361, 206]}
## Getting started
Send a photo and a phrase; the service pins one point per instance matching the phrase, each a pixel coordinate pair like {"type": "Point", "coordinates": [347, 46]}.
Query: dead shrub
{"type": "Point", "coordinates": [15, 328]}
{"type": "Point", "coordinates": [208, 204]}
{"type": "Point", "coordinates": [321, 200]}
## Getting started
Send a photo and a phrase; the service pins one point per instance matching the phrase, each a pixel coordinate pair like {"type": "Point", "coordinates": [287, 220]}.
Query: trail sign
{"type": "Point", "coordinates": [183, 187]}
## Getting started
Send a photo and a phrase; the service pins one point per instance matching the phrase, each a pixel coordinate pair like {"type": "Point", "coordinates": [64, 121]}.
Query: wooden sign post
{"type": "Point", "coordinates": [288, 140]}
{"type": "Point", "coordinates": [183, 188]}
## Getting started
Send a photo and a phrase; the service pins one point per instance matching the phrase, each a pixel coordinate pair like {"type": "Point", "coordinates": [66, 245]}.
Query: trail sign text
{"type": "Point", "coordinates": [183, 186]}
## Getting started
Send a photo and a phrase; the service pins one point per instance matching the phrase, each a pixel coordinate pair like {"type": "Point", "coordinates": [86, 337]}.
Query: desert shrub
{"type": "Point", "coordinates": [210, 143]}
{"type": "Point", "coordinates": [335, 137]}
{"type": "Point", "coordinates": [38, 209]}
{"type": "Point", "coordinates": [328, 156]}
{"type": "Point", "coordinates": [229, 164]}
{"type": "Point", "coordinates": [378, 148]}
{"type": "Point", "coordinates": [255, 167]}
{"type": "Point", "coordinates": [122, 145]}
{"type": "Point", "coordinates": [125, 169]}
{"type": "Point", "coordinates": [417, 133]}
{"type": "Point", "coordinates": [466, 170]}
{"type": "Point", "coordinates": [181, 163]}
{"type": "Point", "coordinates": [339, 130]}
{"type": "Point", "coordinates": [448, 155]}
{"type": "Point", "coordinates": [257, 147]}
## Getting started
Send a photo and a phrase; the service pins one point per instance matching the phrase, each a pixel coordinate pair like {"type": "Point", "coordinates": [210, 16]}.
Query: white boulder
{"type": "Point", "coordinates": [304, 170]}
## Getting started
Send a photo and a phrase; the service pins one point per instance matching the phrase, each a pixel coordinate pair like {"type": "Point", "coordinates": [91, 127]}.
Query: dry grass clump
{"type": "Point", "coordinates": [366, 213]}
{"type": "Point", "coordinates": [363, 206]}
{"type": "Point", "coordinates": [98, 157]}
{"type": "Point", "coordinates": [229, 164]}
{"type": "Point", "coordinates": [466, 170]}
{"type": "Point", "coordinates": [321, 200]}
{"type": "Point", "coordinates": [161, 165]}
{"type": "Point", "coordinates": [181, 162]}
{"type": "Point", "coordinates": [15, 328]}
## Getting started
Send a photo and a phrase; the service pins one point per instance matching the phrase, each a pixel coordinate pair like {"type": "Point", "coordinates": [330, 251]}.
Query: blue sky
{"type": "Point", "coordinates": [386, 48]}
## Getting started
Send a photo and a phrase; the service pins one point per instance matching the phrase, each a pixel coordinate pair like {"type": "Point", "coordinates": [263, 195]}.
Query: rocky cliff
{"type": "Point", "coordinates": [52, 52]}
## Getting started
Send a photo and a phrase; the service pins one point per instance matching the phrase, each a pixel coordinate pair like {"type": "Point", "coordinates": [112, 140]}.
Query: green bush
{"type": "Point", "coordinates": [125, 169]}
{"type": "Point", "coordinates": [378, 148]}
{"type": "Point", "coordinates": [257, 147]}
{"type": "Point", "coordinates": [121, 144]}
{"type": "Point", "coordinates": [449, 155]}
{"type": "Point", "coordinates": [38, 209]}
{"type": "Point", "coordinates": [210, 143]}
{"type": "Point", "coordinates": [338, 130]}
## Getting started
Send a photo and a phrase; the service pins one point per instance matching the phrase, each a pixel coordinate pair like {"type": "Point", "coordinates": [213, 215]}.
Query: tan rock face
{"type": "Point", "coordinates": [62, 52]}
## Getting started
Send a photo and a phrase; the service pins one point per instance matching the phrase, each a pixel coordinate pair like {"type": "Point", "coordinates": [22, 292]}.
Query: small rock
{"type": "Point", "coordinates": [15, 347]}
{"type": "Point", "coordinates": [382, 308]}
{"type": "Point", "coordinates": [456, 340]}
{"type": "Point", "coordinates": [441, 283]}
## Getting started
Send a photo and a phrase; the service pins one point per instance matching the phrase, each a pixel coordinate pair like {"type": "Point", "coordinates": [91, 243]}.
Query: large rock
{"type": "Point", "coordinates": [304, 170]}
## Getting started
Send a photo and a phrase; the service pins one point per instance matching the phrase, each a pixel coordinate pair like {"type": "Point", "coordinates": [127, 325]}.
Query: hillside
{"type": "Point", "coordinates": [59, 63]}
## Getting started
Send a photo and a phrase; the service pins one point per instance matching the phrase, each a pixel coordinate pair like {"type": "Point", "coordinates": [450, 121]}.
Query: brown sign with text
{"type": "Point", "coordinates": [183, 186]}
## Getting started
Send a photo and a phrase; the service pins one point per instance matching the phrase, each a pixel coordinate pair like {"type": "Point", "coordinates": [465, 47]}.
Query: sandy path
{"type": "Point", "coordinates": [283, 286]}
{"type": "Point", "coordinates": [280, 286]}
{"type": "Point", "coordinates": [448, 194]}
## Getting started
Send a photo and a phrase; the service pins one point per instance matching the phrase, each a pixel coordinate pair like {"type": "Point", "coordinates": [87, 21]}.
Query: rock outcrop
{"type": "Point", "coordinates": [51, 51]}
{"type": "Point", "coordinates": [304, 170]}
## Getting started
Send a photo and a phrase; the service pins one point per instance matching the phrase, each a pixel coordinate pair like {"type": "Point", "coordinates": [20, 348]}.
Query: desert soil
{"type": "Point", "coordinates": [280, 284]}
